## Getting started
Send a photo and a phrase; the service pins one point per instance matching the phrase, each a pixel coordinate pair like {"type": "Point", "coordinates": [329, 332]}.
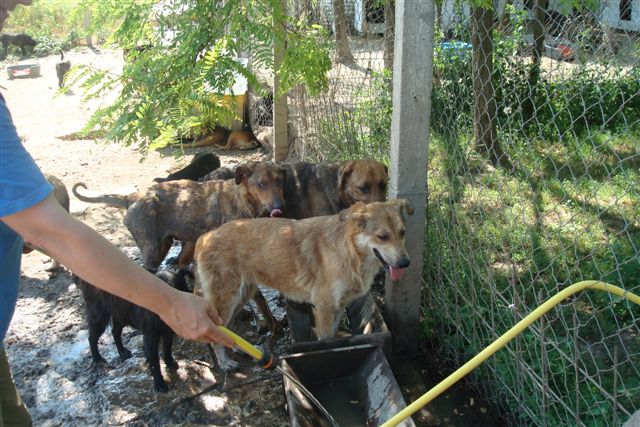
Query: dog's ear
{"type": "Point", "coordinates": [356, 213]}
{"type": "Point", "coordinates": [345, 170]}
{"type": "Point", "coordinates": [405, 206]}
{"type": "Point", "coordinates": [243, 172]}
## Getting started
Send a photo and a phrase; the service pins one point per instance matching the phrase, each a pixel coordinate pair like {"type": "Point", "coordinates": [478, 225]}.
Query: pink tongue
{"type": "Point", "coordinates": [275, 212]}
{"type": "Point", "coordinates": [396, 273]}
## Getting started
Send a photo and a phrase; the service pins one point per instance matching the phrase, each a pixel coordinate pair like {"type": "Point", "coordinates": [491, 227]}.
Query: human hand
{"type": "Point", "coordinates": [193, 318]}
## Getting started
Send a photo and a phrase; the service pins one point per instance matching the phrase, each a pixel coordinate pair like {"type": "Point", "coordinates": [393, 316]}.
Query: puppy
{"type": "Point", "coordinates": [102, 307]}
{"type": "Point", "coordinates": [62, 68]}
{"type": "Point", "coordinates": [326, 261]}
{"type": "Point", "coordinates": [201, 164]}
{"type": "Point", "coordinates": [183, 209]}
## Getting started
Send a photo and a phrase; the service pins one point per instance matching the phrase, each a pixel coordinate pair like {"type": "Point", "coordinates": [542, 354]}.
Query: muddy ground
{"type": "Point", "coordinates": [47, 341]}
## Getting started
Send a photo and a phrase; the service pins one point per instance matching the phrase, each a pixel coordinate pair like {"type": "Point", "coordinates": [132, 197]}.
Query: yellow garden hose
{"type": "Point", "coordinates": [503, 340]}
{"type": "Point", "coordinates": [263, 358]}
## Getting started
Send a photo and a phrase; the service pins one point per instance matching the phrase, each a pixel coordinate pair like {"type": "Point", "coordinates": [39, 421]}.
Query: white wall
{"type": "Point", "coordinates": [611, 15]}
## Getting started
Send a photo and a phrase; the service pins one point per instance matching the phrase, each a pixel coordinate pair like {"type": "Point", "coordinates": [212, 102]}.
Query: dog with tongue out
{"type": "Point", "coordinates": [326, 261]}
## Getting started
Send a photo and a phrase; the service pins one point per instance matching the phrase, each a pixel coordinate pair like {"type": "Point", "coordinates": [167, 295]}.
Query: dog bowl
{"type": "Point", "coordinates": [23, 71]}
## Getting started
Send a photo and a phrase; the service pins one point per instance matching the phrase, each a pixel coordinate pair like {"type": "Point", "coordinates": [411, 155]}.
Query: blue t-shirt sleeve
{"type": "Point", "coordinates": [22, 184]}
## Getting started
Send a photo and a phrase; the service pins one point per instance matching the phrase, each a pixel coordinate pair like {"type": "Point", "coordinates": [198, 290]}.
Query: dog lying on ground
{"type": "Point", "coordinates": [326, 261]}
{"type": "Point", "coordinates": [183, 209]}
{"type": "Point", "coordinates": [23, 41]}
{"type": "Point", "coordinates": [62, 68]}
{"type": "Point", "coordinates": [102, 307]}
{"type": "Point", "coordinates": [201, 164]}
{"type": "Point", "coordinates": [228, 140]}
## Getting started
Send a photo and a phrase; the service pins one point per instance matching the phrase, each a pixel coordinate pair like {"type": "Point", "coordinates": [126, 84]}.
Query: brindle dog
{"type": "Point", "coordinates": [315, 189]}
{"type": "Point", "coordinates": [183, 210]}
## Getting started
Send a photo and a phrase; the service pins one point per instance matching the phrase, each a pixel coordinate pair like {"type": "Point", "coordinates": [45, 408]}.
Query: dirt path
{"type": "Point", "coordinates": [47, 341]}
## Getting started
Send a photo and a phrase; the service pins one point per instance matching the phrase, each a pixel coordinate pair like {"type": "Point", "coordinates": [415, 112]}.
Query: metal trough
{"type": "Point", "coordinates": [354, 384]}
{"type": "Point", "coordinates": [364, 319]}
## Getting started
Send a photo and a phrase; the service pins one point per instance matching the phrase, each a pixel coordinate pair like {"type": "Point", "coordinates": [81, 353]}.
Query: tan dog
{"type": "Point", "coordinates": [326, 261]}
{"type": "Point", "coordinates": [315, 189]}
{"type": "Point", "coordinates": [228, 140]}
{"type": "Point", "coordinates": [183, 209]}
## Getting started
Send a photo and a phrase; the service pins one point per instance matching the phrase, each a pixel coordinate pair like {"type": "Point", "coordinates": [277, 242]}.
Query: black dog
{"type": "Point", "coordinates": [23, 41]}
{"type": "Point", "coordinates": [62, 68]}
{"type": "Point", "coordinates": [201, 164]}
{"type": "Point", "coordinates": [102, 306]}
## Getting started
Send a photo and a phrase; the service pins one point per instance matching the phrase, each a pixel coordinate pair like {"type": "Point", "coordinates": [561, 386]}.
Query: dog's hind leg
{"type": "Point", "coordinates": [225, 363]}
{"type": "Point", "coordinates": [98, 321]}
{"type": "Point", "coordinates": [116, 331]}
{"type": "Point", "coordinates": [186, 254]}
{"type": "Point", "coordinates": [261, 302]}
{"type": "Point", "coordinates": [151, 341]}
{"type": "Point", "coordinates": [327, 319]}
{"type": "Point", "coordinates": [167, 343]}
{"type": "Point", "coordinates": [154, 251]}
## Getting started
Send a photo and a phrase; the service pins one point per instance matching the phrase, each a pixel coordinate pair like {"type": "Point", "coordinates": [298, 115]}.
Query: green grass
{"type": "Point", "coordinates": [568, 211]}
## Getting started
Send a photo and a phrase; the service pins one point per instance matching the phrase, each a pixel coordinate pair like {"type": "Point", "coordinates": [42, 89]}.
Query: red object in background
{"type": "Point", "coordinates": [22, 73]}
{"type": "Point", "coordinates": [566, 51]}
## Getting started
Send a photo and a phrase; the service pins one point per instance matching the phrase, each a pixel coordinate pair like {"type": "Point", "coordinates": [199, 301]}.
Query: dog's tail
{"type": "Point", "coordinates": [61, 55]}
{"type": "Point", "coordinates": [116, 200]}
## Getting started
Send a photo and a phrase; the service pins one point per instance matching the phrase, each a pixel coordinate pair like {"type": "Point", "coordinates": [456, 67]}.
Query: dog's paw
{"type": "Point", "coordinates": [160, 386]}
{"type": "Point", "coordinates": [171, 364]}
{"type": "Point", "coordinates": [125, 354]}
{"type": "Point", "coordinates": [228, 365]}
{"type": "Point", "coordinates": [99, 361]}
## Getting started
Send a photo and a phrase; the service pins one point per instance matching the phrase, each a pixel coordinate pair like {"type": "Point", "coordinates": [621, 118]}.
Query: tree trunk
{"type": "Point", "coordinates": [341, 33]}
{"type": "Point", "coordinates": [484, 123]}
{"type": "Point", "coordinates": [539, 13]}
{"type": "Point", "coordinates": [505, 19]}
{"type": "Point", "coordinates": [389, 32]}
{"type": "Point", "coordinates": [86, 22]}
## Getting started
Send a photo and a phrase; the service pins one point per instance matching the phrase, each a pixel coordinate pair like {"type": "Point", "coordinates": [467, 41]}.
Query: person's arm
{"type": "Point", "coordinates": [89, 255]}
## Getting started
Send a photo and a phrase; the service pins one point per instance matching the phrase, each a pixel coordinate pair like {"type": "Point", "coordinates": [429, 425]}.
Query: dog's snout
{"type": "Point", "coordinates": [403, 262]}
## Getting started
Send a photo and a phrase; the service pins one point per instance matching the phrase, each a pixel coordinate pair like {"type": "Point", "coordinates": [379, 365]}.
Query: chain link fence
{"type": "Point", "coordinates": [534, 192]}
{"type": "Point", "coordinates": [534, 173]}
{"type": "Point", "coordinates": [339, 123]}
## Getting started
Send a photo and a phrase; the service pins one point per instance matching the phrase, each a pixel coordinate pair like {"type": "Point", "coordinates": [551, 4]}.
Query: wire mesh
{"type": "Point", "coordinates": [534, 173]}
